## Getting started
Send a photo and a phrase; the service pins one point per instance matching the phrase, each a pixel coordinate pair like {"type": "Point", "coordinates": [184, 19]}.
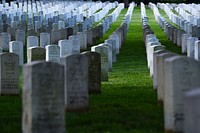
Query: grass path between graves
{"type": "Point", "coordinates": [159, 33]}
{"type": "Point", "coordinates": [128, 103]}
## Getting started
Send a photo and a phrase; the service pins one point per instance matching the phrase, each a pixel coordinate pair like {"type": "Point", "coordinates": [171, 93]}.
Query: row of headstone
{"type": "Point", "coordinates": [111, 47]}
{"type": "Point", "coordinates": [175, 78]}
{"type": "Point", "coordinates": [189, 13]}
{"type": "Point", "coordinates": [187, 26]}
{"type": "Point", "coordinates": [151, 42]}
{"type": "Point", "coordinates": [188, 44]}
{"type": "Point", "coordinates": [38, 26]}
{"type": "Point", "coordinates": [33, 41]}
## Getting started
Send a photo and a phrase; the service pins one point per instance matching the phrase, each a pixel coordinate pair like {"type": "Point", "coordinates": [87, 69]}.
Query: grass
{"type": "Point", "coordinates": [128, 103]}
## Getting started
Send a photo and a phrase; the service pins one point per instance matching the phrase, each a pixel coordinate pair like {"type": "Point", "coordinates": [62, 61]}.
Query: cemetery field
{"type": "Point", "coordinates": [127, 103]}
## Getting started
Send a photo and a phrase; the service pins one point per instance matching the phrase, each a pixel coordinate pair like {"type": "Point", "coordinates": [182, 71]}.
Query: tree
{"type": "Point", "coordinates": [126, 2]}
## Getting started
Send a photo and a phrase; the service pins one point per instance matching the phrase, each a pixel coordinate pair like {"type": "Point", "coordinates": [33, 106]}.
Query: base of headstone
{"type": "Point", "coordinates": [17, 93]}
{"type": "Point", "coordinates": [169, 131]}
{"type": "Point", "coordinates": [85, 109]}
{"type": "Point", "coordinates": [160, 102]}
{"type": "Point", "coordinates": [94, 92]}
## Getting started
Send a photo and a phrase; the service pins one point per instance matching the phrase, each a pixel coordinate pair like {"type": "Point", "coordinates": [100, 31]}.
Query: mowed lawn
{"type": "Point", "coordinates": [128, 103]}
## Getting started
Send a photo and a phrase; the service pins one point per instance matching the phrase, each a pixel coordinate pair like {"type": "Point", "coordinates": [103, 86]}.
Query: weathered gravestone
{"type": "Point", "coordinates": [35, 54]}
{"type": "Point", "coordinates": [9, 74]}
{"type": "Point", "coordinates": [184, 42]}
{"type": "Point", "coordinates": [53, 53]}
{"type": "Point", "coordinates": [82, 39]}
{"type": "Point", "coordinates": [89, 37]}
{"type": "Point", "coordinates": [192, 111]}
{"type": "Point", "coordinates": [155, 54]}
{"type": "Point", "coordinates": [197, 50]}
{"type": "Point", "coordinates": [69, 32]}
{"type": "Point", "coordinates": [17, 48]}
{"type": "Point", "coordinates": [43, 98]}
{"type": "Point", "coordinates": [94, 71]}
{"type": "Point", "coordinates": [109, 46]}
{"type": "Point", "coordinates": [151, 51]}
{"type": "Point", "coordinates": [75, 44]}
{"type": "Point", "coordinates": [44, 39]}
{"type": "Point", "coordinates": [20, 36]}
{"type": "Point", "coordinates": [190, 46]}
{"type": "Point", "coordinates": [103, 51]}
{"type": "Point", "coordinates": [31, 32]}
{"type": "Point", "coordinates": [116, 40]}
{"type": "Point", "coordinates": [55, 36]}
{"type": "Point", "coordinates": [32, 41]}
{"type": "Point", "coordinates": [5, 38]}
{"type": "Point", "coordinates": [65, 47]}
{"type": "Point", "coordinates": [113, 44]}
{"type": "Point", "coordinates": [160, 58]}
{"type": "Point", "coordinates": [149, 44]}
{"type": "Point", "coordinates": [76, 82]}
{"type": "Point", "coordinates": [181, 74]}
{"type": "Point", "coordinates": [12, 32]}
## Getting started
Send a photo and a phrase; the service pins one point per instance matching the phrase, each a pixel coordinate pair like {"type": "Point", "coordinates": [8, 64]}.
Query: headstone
{"type": "Point", "coordinates": [152, 50]}
{"type": "Point", "coordinates": [75, 44]}
{"type": "Point", "coordinates": [55, 36]}
{"type": "Point", "coordinates": [65, 47]}
{"type": "Point", "coordinates": [149, 44]}
{"type": "Point", "coordinates": [55, 26]}
{"type": "Point", "coordinates": [17, 47]}
{"type": "Point", "coordinates": [43, 98]}
{"type": "Point", "coordinates": [113, 43]}
{"type": "Point", "coordinates": [83, 39]}
{"type": "Point", "coordinates": [69, 32]}
{"type": "Point", "coordinates": [12, 32]}
{"type": "Point", "coordinates": [9, 74]}
{"type": "Point", "coordinates": [103, 51]}
{"type": "Point", "coordinates": [5, 38]}
{"type": "Point", "coordinates": [32, 41]}
{"type": "Point", "coordinates": [197, 50]}
{"type": "Point", "coordinates": [76, 82]}
{"type": "Point", "coordinates": [89, 37]}
{"type": "Point", "coordinates": [155, 54]}
{"type": "Point", "coordinates": [53, 53]}
{"type": "Point", "coordinates": [181, 74]}
{"type": "Point", "coordinates": [31, 32]}
{"type": "Point", "coordinates": [44, 39]}
{"type": "Point", "coordinates": [116, 39]}
{"type": "Point", "coordinates": [109, 46]}
{"type": "Point", "coordinates": [61, 24]}
{"type": "Point", "coordinates": [184, 42]}
{"type": "Point", "coordinates": [160, 73]}
{"type": "Point", "coordinates": [190, 46]}
{"type": "Point", "coordinates": [191, 111]}
{"type": "Point", "coordinates": [35, 54]}
{"type": "Point", "coordinates": [94, 71]}
{"type": "Point", "coordinates": [20, 36]}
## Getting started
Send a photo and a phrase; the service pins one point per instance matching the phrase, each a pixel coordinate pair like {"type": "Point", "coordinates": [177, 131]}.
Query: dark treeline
{"type": "Point", "coordinates": [144, 1]}
{"type": "Point", "coordinates": [156, 1]}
